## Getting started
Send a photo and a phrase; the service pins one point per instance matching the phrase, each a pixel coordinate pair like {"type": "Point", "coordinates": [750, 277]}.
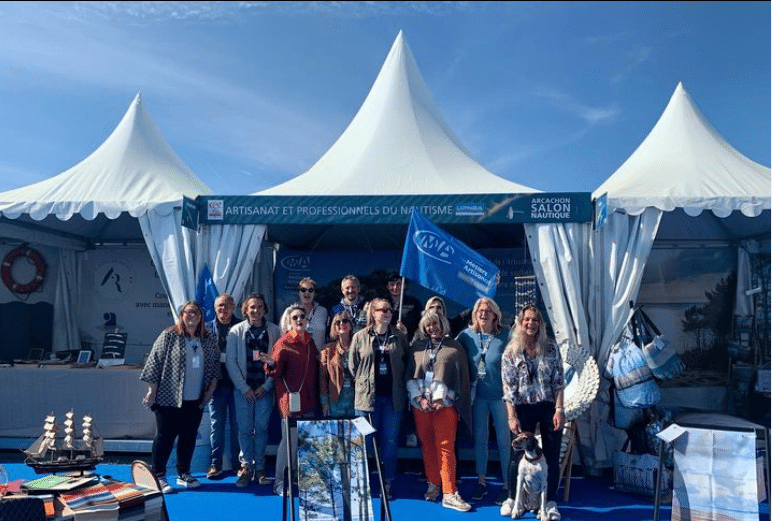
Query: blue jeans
{"type": "Point", "coordinates": [482, 410]}
{"type": "Point", "coordinates": [252, 419]}
{"type": "Point", "coordinates": [222, 407]}
{"type": "Point", "coordinates": [386, 422]}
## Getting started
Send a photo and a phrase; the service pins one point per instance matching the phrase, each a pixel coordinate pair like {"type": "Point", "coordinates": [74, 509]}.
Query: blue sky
{"type": "Point", "coordinates": [555, 96]}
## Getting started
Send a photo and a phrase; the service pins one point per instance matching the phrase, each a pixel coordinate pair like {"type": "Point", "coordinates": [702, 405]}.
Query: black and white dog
{"type": "Point", "coordinates": [531, 489]}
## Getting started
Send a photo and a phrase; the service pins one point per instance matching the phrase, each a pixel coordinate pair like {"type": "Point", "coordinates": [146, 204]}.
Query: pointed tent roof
{"type": "Point", "coordinates": [684, 163]}
{"type": "Point", "coordinates": [397, 144]}
{"type": "Point", "coordinates": [134, 170]}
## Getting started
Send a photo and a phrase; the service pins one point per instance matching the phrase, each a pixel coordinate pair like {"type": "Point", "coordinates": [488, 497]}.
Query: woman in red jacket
{"type": "Point", "coordinates": [294, 366]}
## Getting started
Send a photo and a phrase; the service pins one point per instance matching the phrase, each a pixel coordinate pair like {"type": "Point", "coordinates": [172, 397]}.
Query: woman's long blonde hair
{"type": "Point", "coordinates": [516, 342]}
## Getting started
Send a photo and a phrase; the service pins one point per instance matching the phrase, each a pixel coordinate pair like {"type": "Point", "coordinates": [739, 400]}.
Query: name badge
{"type": "Point", "coordinates": [481, 368]}
{"type": "Point", "coordinates": [383, 370]}
{"type": "Point", "coordinates": [429, 376]}
{"type": "Point", "coordinates": [196, 362]}
{"type": "Point", "coordinates": [255, 355]}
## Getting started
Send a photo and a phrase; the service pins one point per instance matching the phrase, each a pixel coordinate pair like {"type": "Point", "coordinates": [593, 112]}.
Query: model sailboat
{"type": "Point", "coordinates": [52, 452]}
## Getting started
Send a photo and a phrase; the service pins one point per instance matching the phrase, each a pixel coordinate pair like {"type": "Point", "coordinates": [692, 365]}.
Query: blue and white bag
{"type": "Point", "coordinates": [660, 356]}
{"type": "Point", "coordinates": [633, 379]}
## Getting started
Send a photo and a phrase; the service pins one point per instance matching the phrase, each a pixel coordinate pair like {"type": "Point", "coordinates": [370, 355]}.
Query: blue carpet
{"type": "Point", "coordinates": [591, 498]}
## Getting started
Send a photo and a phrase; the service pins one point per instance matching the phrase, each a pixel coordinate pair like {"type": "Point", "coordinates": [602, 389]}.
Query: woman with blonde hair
{"type": "Point", "coordinates": [532, 378]}
{"type": "Point", "coordinates": [377, 362]}
{"type": "Point", "coordinates": [438, 388]}
{"type": "Point", "coordinates": [336, 386]}
{"type": "Point", "coordinates": [484, 341]}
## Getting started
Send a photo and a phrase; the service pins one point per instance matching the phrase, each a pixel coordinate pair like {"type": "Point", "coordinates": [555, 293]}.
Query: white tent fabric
{"type": "Point", "coordinates": [397, 144]}
{"type": "Point", "coordinates": [133, 171]}
{"type": "Point", "coordinates": [682, 164]}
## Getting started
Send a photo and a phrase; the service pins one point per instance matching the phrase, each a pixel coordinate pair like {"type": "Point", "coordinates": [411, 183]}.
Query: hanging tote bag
{"type": "Point", "coordinates": [633, 379]}
{"type": "Point", "coordinates": [660, 356]}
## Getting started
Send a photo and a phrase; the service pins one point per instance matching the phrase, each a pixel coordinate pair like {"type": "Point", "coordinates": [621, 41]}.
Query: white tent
{"type": "Point", "coordinates": [683, 182]}
{"type": "Point", "coordinates": [398, 143]}
{"type": "Point", "coordinates": [129, 189]}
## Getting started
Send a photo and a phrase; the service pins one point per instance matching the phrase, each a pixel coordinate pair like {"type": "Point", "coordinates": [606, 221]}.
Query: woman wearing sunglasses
{"type": "Point", "coordinates": [377, 362]}
{"type": "Point", "coordinates": [293, 364]}
{"type": "Point", "coordinates": [336, 386]}
{"type": "Point", "coordinates": [316, 315]}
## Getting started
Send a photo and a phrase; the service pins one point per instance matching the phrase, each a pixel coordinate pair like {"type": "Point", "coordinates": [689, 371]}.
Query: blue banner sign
{"type": "Point", "coordinates": [395, 209]}
{"type": "Point", "coordinates": [440, 262]}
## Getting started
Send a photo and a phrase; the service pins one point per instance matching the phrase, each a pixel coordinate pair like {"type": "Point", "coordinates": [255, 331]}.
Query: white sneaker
{"type": "Point", "coordinates": [432, 493]}
{"type": "Point", "coordinates": [455, 502]}
{"type": "Point", "coordinates": [166, 488]}
{"type": "Point", "coordinates": [187, 481]}
{"type": "Point", "coordinates": [506, 507]}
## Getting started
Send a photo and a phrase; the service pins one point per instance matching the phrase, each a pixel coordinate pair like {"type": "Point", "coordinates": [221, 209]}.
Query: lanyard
{"type": "Point", "coordinates": [432, 353]}
{"type": "Point", "coordinates": [485, 345]}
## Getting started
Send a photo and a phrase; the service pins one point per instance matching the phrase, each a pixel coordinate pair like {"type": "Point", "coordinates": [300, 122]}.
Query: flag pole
{"type": "Point", "coordinates": [401, 295]}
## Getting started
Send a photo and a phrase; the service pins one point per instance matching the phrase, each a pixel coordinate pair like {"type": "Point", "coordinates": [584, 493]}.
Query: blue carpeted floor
{"type": "Point", "coordinates": [591, 498]}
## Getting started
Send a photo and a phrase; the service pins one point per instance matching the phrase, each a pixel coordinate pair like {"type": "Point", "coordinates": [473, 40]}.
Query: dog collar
{"type": "Point", "coordinates": [531, 460]}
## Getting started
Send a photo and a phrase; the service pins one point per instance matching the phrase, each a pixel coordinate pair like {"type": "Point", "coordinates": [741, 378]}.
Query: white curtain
{"type": "Point", "coordinates": [171, 247]}
{"type": "Point", "coordinates": [230, 251]}
{"type": "Point", "coordinates": [560, 254]}
{"type": "Point", "coordinates": [619, 253]}
{"type": "Point", "coordinates": [65, 333]}
{"type": "Point", "coordinates": [561, 261]}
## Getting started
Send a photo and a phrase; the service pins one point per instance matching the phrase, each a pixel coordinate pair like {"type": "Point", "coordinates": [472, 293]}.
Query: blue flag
{"type": "Point", "coordinates": [206, 293]}
{"type": "Point", "coordinates": [440, 262]}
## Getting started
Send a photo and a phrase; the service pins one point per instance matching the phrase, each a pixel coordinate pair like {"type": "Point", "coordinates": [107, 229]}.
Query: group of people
{"type": "Point", "coordinates": [358, 360]}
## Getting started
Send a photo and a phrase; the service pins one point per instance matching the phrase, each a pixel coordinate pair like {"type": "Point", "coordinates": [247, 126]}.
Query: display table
{"type": "Point", "coordinates": [112, 396]}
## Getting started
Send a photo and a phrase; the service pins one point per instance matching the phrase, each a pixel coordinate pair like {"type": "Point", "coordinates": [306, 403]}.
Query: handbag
{"type": "Point", "coordinates": [633, 379]}
{"type": "Point", "coordinates": [660, 356]}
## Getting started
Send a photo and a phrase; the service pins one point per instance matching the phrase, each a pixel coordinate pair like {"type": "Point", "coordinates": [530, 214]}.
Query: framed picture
{"type": "Point", "coordinates": [84, 356]}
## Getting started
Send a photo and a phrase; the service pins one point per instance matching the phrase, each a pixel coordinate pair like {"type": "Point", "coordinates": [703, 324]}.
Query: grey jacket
{"type": "Point", "coordinates": [236, 354]}
{"type": "Point", "coordinates": [362, 366]}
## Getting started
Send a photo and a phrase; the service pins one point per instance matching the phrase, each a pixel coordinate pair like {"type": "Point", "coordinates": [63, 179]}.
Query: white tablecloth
{"type": "Point", "coordinates": [113, 397]}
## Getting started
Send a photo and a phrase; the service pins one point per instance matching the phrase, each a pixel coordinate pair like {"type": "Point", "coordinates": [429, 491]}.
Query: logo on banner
{"type": "Point", "coordinates": [215, 209]}
{"type": "Point", "coordinates": [296, 263]}
{"type": "Point", "coordinates": [433, 245]}
{"type": "Point", "coordinates": [550, 208]}
{"type": "Point", "coordinates": [113, 280]}
{"type": "Point", "coordinates": [470, 209]}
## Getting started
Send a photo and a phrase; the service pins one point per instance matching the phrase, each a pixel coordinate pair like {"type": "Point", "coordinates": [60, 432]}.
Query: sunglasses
{"type": "Point", "coordinates": [306, 290]}
{"type": "Point", "coordinates": [342, 321]}
{"type": "Point", "coordinates": [383, 310]}
{"type": "Point", "coordinates": [298, 317]}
